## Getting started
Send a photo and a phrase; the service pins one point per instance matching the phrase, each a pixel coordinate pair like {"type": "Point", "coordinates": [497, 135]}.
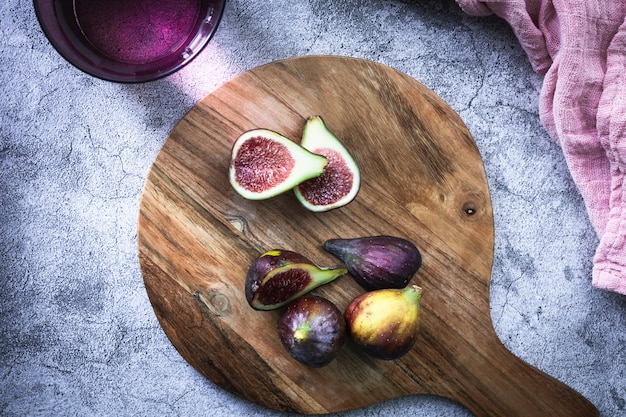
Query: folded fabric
{"type": "Point", "coordinates": [580, 49]}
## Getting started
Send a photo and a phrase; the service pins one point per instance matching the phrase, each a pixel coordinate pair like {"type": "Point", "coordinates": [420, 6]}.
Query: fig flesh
{"type": "Point", "coordinates": [377, 262]}
{"type": "Point", "coordinates": [279, 276]}
{"type": "Point", "coordinates": [264, 164]}
{"type": "Point", "coordinates": [385, 323]}
{"type": "Point", "coordinates": [312, 329]}
{"type": "Point", "coordinates": [339, 183]}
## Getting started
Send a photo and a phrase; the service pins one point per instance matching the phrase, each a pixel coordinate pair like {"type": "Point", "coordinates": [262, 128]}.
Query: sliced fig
{"type": "Point", "coordinates": [265, 163]}
{"type": "Point", "coordinates": [312, 329]}
{"type": "Point", "coordinates": [279, 276]}
{"type": "Point", "coordinates": [339, 183]}
{"type": "Point", "coordinates": [377, 262]}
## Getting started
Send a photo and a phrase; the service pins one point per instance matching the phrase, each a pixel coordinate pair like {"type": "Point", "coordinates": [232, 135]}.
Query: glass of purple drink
{"type": "Point", "coordinates": [129, 40]}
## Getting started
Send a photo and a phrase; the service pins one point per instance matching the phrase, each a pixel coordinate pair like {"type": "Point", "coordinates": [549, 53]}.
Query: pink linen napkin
{"type": "Point", "coordinates": [579, 46]}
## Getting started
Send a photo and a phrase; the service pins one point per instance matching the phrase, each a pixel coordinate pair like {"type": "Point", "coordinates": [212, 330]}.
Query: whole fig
{"type": "Point", "coordinates": [279, 276]}
{"type": "Point", "coordinates": [377, 262]}
{"type": "Point", "coordinates": [385, 323]}
{"type": "Point", "coordinates": [312, 330]}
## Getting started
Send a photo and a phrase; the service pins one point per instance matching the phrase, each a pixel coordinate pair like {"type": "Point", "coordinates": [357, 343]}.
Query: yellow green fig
{"type": "Point", "coordinates": [385, 323]}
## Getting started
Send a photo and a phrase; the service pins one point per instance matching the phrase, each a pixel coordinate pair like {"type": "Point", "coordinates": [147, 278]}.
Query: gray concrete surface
{"type": "Point", "coordinates": [77, 332]}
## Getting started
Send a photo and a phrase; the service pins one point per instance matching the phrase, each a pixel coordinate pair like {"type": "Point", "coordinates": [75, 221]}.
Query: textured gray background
{"type": "Point", "coordinates": [77, 332]}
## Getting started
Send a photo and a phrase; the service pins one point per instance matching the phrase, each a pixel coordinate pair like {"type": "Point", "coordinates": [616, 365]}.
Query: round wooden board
{"type": "Point", "coordinates": [422, 179]}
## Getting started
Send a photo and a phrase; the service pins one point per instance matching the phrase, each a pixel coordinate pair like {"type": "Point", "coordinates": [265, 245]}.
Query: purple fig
{"type": "Point", "coordinates": [377, 262]}
{"type": "Point", "coordinates": [385, 323]}
{"type": "Point", "coordinates": [278, 276]}
{"type": "Point", "coordinates": [312, 329]}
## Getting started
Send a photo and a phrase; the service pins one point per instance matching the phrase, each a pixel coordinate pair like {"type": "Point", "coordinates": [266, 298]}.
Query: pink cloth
{"type": "Point", "coordinates": [579, 46]}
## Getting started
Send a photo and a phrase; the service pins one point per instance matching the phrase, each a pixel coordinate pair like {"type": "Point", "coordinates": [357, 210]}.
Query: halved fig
{"type": "Point", "coordinates": [279, 276]}
{"type": "Point", "coordinates": [265, 163]}
{"type": "Point", "coordinates": [339, 183]}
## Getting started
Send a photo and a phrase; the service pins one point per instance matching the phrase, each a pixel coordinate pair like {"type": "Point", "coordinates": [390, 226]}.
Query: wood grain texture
{"type": "Point", "coordinates": [422, 179]}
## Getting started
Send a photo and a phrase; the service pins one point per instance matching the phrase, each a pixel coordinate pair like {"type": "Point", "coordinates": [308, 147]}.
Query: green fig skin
{"type": "Point", "coordinates": [279, 276]}
{"type": "Point", "coordinates": [339, 184]}
{"type": "Point", "coordinates": [377, 262]}
{"type": "Point", "coordinates": [265, 164]}
{"type": "Point", "coordinates": [312, 330]}
{"type": "Point", "coordinates": [385, 323]}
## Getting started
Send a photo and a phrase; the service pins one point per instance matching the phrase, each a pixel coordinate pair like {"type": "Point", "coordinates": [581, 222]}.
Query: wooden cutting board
{"type": "Point", "coordinates": [422, 179]}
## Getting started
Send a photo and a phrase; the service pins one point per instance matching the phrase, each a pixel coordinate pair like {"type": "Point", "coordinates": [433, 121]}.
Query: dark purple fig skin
{"type": "Point", "coordinates": [279, 276]}
{"type": "Point", "coordinates": [265, 263]}
{"type": "Point", "coordinates": [377, 262]}
{"type": "Point", "coordinates": [312, 330]}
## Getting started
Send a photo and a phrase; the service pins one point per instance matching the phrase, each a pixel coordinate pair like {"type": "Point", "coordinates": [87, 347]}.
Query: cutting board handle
{"type": "Point", "coordinates": [511, 387]}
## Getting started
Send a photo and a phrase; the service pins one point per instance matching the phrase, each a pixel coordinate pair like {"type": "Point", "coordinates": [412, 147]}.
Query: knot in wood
{"type": "Point", "coordinates": [217, 302]}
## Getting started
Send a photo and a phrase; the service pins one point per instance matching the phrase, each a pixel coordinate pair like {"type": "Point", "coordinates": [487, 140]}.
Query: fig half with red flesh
{"type": "Point", "coordinates": [313, 330]}
{"type": "Point", "coordinates": [279, 276]}
{"type": "Point", "coordinates": [264, 164]}
{"type": "Point", "coordinates": [339, 183]}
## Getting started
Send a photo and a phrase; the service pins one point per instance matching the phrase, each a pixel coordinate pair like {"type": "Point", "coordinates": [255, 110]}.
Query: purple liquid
{"type": "Point", "coordinates": [136, 31]}
{"type": "Point", "coordinates": [129, 40]}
